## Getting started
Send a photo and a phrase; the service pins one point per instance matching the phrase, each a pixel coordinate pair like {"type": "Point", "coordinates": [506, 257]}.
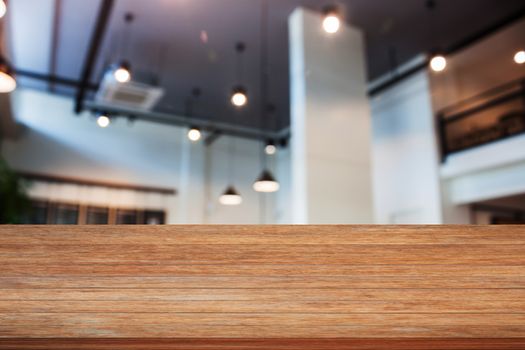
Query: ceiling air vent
{"type": "Point", "coordinates": [131, 95]}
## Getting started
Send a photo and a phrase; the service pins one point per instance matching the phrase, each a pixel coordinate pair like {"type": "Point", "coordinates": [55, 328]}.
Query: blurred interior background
{"type": "Point", "coordinates": [262, 111]}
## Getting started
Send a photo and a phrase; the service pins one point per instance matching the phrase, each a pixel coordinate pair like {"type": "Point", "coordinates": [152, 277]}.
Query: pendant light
{"type": "Point", "coordinates": [239, 96]}
{"type": "Point", "coordinates": [519, 57]}
{"type": "Point", "coordinates": [265, 183]}
{"type": "Point", "coordinates": [438, 62]}
{"type": "Point", "coordinates": [7, 82]}
{"type": "Point", "coordinates": [270, 148]}
{"type": "Point", "coordinates": [3, 8]}
{"type": "Point", "coordinates": [332, 20]}
{"type": "Point", "coordinates": [231, 196]}
{"type": "Point", "coordinates": [194, 133]}
{"type": "Point", "coordinates": [103, 120]}
{"type": "Point", "coordinates": [122, 72]}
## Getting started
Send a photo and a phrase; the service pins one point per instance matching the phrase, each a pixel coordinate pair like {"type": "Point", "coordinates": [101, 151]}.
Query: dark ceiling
{"type": "Point", "coordinates": [167, 39]}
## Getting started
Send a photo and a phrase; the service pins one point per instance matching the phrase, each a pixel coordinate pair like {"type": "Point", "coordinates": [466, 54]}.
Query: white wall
{"type": "Point", "coordinates": [57, 142]}
{"type": "Point", "coordinates": [405, 155]}
{"type": "Point", "coordinates": [330, 123]}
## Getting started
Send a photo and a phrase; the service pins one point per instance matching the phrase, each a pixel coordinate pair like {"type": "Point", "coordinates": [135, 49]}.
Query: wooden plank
{"type": "Point", "coordinates": [260, 344]}
{"type": "Point", "coordinates": [251, 282]}
{"type": "Point", "coordinates": [129, 325]}
{"type": "Point", "coordinates": [512, 255]}
{"type": "Point", "coordinates": [165, 319]}
{"type": "Point", "coordinates": [268, 234]}
{"type": "Point", "coordinates": [289, 270]}
{"type": "Point", "coordinates": [207, 282]}
{"type": "Point", "coordinates": [284, 306]}
{"type": "Point", "coordinates": [265, 296]}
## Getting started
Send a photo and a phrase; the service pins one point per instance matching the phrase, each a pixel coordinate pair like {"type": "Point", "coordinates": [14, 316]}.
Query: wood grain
{"type": "Point", "coordinates": [455, 287]}
{"type": "Point", "coordinates": [259, 344]}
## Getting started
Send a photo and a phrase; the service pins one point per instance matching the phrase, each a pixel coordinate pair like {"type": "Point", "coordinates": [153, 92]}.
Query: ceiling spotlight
{"type": "Point", "coordinates": [194, 134]}
{"type": "Point", "coordinates": [239, 97]}
{"type": "Point", "coordinates": [266, 183]}
{"type": "Point", "coordinates": [270, 148]}
{"type": "Point", "coordinates": [230, 197]}
{"type": "Point", "coordinates": [519, 57]}
{"type": "Point", "coordinates": [122, 73]}
{"type": "Point", "coordinates": [331, 21]}
{"type": "Point", "coordinates": [103, 121]}
{"type": "Point", "coordinates": [438, 63]}
{"type": "Point", "coordinates": [3, 8]}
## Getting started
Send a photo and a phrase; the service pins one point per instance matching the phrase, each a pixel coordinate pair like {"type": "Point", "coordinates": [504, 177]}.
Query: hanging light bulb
{"type": "Point", "coordinates": [230, 197]}
{"type": "Point", "coordinates": [438, 63]}
{"type": "Point", "coordinates": [266, 183]}
{"type": "Point", "coordinates": [194, 134]}
{"type": "Point", "coordinates": [3, 8]}
{"type": "Point", "coordinates": [519, 57]}
{"type": "Point", "coordinates": [103, 121]}
{"type": "Point", "coordinates": [239, 97]}
{"type": "Point", "coordinates": [122, 73]}
{"type": "Point", "coordinates": [270, 148]}
{"type": "Point", "coordinates": [7, 82]}
{"type": "Point", "coordinates": [331, 21]}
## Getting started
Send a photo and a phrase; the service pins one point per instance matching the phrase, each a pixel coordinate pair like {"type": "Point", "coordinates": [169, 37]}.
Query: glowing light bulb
{"type": "Point", "coordinates": [7, 83]}
{"type": "Point", "coordinates": [331, 23]}
{"type": "Point", "coordinates": [270, 149]}
{"type": "Point", "coordinates": [239, 99]}
{"type": "Point", "coordinates": [519, 57]}
{"type": "Point", "coordinates": [438, 63]}
{"type": "Point", "coordinates": [122, 75]}
{"type": "Point", "coordinates": [194, 134]}
{"type": "Point", "coordinates": [3, 8]}
{"type": "Point", "coordinates": [103, 121]}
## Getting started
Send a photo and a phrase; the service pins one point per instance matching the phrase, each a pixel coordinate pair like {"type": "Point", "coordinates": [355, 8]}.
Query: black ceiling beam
{"type": "Point", "coordinates": [211, 138]}
{"type": "Point", "coordinates": [53, 79]}
{"type": "Point", "coordinates": [458, 46]}
{"type": "Point", "coordinates": [97, 37]}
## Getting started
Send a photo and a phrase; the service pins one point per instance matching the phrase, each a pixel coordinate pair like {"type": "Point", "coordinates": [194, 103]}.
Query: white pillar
{"type": "Point", "coordinates": [331, 177]}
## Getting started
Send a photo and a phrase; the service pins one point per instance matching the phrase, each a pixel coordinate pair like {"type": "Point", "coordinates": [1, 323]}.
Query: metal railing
{"type": "Point", "coordinates": [494, 115]}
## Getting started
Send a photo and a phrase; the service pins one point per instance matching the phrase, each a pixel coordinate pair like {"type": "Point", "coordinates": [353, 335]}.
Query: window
{"type": "Point", "coordinates": [97, 216]}
{"type": "Point", "coordinates": [71, 214]}
{"type": "Point", "coordinates": [64, 214]}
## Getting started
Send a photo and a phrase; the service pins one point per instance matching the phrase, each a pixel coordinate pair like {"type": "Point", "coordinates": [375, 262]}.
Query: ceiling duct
{"type": "Point", "coordinates": [132, 95]}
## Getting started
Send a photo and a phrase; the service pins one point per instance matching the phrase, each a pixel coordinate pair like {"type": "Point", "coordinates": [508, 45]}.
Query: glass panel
{"type": "Point", "coordinates": [97, 216]}
{"type": "Point", "coordinates": [37, 214]}
{"type": "Point", "coordinates": [154, 217]}
{"type": "Point", "coordinates": [126, 217]}
{"type": "Point", "coordinates": [65, 214]}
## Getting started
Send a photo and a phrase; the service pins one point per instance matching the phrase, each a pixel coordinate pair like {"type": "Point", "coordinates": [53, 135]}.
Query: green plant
{"type": "Point", "coordinates": [14, 202]}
